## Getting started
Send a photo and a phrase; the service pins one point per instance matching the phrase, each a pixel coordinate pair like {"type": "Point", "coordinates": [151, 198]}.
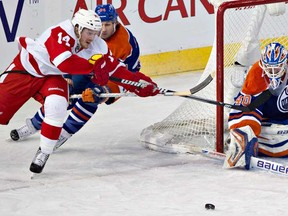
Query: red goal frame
{"type": "Point", "coordinates": [220, 60]}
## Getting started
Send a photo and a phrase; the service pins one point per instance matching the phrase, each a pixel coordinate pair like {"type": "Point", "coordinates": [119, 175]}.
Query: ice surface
{"type": "Point", "coordinates": [103, 170]}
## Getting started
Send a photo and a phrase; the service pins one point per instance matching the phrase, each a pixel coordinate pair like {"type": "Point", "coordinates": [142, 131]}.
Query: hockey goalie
{"type": "Point", "coordinates": [263, 131]}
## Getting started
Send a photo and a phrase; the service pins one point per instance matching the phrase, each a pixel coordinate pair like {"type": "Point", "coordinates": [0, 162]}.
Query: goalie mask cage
{"type": "Point", "coordinates": [243, 29]}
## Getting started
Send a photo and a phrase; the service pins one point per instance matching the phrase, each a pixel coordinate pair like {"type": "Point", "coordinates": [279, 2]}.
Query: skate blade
{"type": "Point", "coordinates": [33, 175]}
{"type": "Point", "coordinates": [9, 140]}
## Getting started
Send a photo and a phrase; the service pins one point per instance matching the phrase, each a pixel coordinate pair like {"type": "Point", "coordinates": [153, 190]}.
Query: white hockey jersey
{"type": "Point", "coordinates": [56, 50]}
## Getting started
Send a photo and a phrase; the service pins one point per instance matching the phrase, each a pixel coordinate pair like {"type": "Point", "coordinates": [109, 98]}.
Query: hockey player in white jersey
{"type": "Point", "coordinates": [124, 47]}
{"type": "Point", "coordinates": [37, 71]}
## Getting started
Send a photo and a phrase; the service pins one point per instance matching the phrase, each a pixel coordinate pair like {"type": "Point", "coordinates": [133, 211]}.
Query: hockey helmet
{"type": "Point", "coordinates": [273, 62]}
{"type": "Point", "coordinates": [106, 12]}
{"type": "Point", "coordinates": [87, 19]}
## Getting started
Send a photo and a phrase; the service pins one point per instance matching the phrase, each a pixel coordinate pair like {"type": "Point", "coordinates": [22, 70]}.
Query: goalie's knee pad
{"type": "Point", "coordinates": [243, 145]}
{"type": "Point", "coordinates": [273, 141]}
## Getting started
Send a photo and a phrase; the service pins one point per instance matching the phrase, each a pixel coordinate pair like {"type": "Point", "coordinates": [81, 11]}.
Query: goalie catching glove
{"type": "Point", "coordinates": [243, 145]}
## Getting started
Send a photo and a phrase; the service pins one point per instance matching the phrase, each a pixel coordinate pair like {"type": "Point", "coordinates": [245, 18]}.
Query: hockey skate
{"type": "Point", "coordinates": [64, 136]}
{"type": "Point", "coordinates": [23, 132]}
{"type": "Point", "coordinates": [39, 161]}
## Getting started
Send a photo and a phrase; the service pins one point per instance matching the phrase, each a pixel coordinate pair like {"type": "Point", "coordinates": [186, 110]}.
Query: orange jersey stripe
{"type": "Point", "coordinates": [253, 124]}
{"type": "Point", "coordinates": [80, 114]}
{"type": "Point", "coordinates": [272, 154]}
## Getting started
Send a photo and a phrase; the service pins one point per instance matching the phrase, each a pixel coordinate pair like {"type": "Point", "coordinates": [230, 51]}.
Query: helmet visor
{"type": "Point", "coordinates": [274, 72]}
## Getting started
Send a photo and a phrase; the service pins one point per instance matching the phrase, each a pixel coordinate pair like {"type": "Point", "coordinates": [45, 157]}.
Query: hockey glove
{"type": "Point", "coordinates": [242, 147]}
{"type": "Point", "coordinates": [91, 94]}
{"type": "Point", "coordinates": [87, 96]}
{"type": "Point", "coordinates": [149, 88]}
{"type": "Point", "coordinates": [100, 70]}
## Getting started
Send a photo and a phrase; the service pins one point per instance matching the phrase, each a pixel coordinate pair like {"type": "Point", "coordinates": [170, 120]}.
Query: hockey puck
{"type": "Point", "coordinates": [209, 206]}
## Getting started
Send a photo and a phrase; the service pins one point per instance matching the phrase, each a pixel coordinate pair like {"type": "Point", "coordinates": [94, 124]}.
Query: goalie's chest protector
{"type": "Point", "coordinates": [277, 106]}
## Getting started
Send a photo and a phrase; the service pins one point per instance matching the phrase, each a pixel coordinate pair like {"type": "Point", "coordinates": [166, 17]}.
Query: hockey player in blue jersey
{"type": "Point", "coordinates": [263, 131]}
{"type": "Point", "coordinates": [123, 46]}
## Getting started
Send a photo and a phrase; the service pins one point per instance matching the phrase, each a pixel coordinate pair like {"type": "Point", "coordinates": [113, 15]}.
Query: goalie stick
{"type": "Point", "coordinates": [256, 163]}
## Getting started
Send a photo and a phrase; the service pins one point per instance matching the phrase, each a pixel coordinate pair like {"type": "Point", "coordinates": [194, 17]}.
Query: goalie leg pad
{"type": "Point", "coordinates": [273, 141]}
{"type": "Point", "coordinates": [243, 145]}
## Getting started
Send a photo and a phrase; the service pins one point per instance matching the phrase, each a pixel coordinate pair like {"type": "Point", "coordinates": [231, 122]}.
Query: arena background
{"type": "Point", "coordinates": [174, 35]}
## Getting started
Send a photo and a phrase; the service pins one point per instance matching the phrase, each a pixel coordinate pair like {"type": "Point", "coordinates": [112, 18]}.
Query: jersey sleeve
{"type": "Point", "coordinates": [124, 47]}
{"type": "Point", "coordinates": [132, 61]}
{"type": "Point", "coordinates": [59, 46]}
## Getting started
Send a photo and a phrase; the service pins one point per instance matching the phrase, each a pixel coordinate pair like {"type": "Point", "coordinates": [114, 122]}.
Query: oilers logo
{"type": "Point", "coordinates": [282, 101]}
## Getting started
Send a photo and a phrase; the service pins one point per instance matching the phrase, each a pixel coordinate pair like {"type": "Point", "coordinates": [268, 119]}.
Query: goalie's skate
{"type": "Point", "coordinates": [23, 132]}
{"type": "Point", "coordinates": [39, 161]}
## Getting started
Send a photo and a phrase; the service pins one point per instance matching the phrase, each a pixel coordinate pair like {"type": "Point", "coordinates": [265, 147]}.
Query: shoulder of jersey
{"type": "Point", "coordinates": [255, 82]}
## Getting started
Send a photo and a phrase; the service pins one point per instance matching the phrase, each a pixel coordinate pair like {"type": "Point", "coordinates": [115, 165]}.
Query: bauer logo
{"type": "Point", "coordinates": [269, 166]}
{"type": "Point", "coordinates": [282, 132]}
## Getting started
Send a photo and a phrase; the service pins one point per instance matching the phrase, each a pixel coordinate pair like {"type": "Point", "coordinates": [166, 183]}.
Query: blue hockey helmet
{"type": "Point", "coordinates": [273, 62]}
{"type": "Point", "coordinates": [106, 12]}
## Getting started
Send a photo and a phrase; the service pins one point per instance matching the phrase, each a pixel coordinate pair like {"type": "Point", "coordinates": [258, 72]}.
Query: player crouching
{"type": "Point", "coordinates": [261, 132]}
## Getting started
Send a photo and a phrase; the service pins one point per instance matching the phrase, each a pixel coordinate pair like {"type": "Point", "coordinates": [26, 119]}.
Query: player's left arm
{"type": "Point", "coordinates": [116, 69]}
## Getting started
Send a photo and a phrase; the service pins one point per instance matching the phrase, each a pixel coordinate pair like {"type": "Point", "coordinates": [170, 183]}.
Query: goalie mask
{"type": "Point", "coordinates": [273, 62]}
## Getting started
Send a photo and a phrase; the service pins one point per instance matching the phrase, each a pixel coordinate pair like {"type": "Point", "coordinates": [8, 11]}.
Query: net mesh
{"type": "Point", "coordinates": [247, 30]}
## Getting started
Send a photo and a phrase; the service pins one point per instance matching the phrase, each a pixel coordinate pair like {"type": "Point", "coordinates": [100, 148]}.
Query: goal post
{"type": "Point", "coordinates": [242, 29]}
{"type": "Point", "coordinates": [220, 51]}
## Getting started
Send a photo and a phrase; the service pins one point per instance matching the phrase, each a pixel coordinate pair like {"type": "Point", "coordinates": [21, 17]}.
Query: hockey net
{"type": "Point", "coordinates": [247, 27]}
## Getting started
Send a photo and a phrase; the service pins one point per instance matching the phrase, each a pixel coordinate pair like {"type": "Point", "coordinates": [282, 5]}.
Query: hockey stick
{"type": "Point", "coordinates": [259, 101]}
{"type": "Point", "coordinates": [255, 163]}
{"type": "Point", "coordinates": [193, 90]}
{"type": "Point", "coordinates": [108, 95]}
{"type": "Point", "coordinates": [168, 92]}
